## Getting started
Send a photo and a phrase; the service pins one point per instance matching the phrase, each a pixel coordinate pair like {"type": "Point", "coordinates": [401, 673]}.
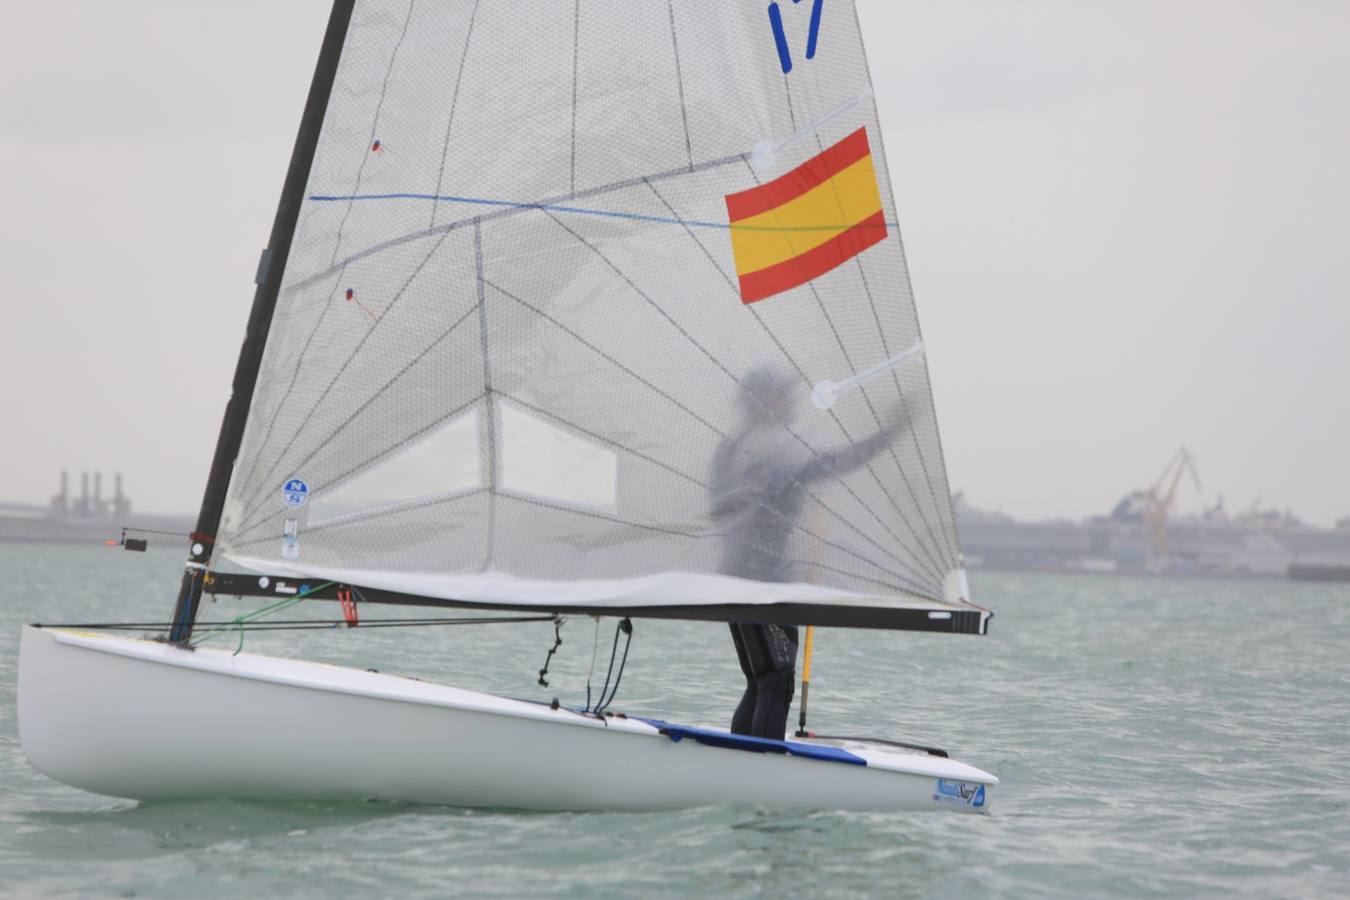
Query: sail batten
{"type": "Point", "coordinates": [515, 338]}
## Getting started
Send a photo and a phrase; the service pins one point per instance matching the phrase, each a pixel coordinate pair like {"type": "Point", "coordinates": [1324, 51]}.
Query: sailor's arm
{"type": "Point", "coordinates": [846, 459]}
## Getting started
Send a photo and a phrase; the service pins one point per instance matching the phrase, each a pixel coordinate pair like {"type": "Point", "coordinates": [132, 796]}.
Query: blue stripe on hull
{"type": "Point", "coordinates": [753, 744]}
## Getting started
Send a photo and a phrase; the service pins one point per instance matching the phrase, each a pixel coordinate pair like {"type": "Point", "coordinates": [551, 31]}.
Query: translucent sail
{"type": "Point", "coordinates": [599, 302]}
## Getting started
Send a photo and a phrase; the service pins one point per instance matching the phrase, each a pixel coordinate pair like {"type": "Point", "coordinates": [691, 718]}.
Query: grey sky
{"type": "Point", "coordinates": [1126, 224]}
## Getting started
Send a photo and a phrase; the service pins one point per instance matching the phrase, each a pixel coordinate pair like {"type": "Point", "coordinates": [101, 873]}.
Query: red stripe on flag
{"type": "Point", "coordinates": [815, 171]}
{"type": "Point", "coordinates": [815, 262]}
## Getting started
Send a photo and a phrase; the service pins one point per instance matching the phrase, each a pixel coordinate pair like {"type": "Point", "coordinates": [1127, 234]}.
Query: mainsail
{"type": "Point", "coordinates": [600, 305]}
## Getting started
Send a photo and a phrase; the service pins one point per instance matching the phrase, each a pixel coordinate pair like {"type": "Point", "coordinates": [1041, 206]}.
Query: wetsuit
{"type": "Point", "coordinates": [757, 503]}
{"type": "Point", "coordinates": [768, 657]}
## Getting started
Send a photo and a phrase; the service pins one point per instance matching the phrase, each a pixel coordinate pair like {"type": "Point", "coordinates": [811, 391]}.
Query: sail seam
{"type": "Point", "coordinates": [772, 337]}
{"type": "Point", "coordinates": [595, 514]}
{"type": "Point", "coordinates": [871, 469]}
{"type": "Point", "coordinates": [576, 44]}
{"type": "Point", "coordinates": [951, 560]}
{"type": "Point", "coordinates": [928, 526]}
{"type": "Point", "coordinates": [949, 523]}
{"type": "Point", "coordinates": [839, 478]}
{"type": "Point", "coordinates": [754, 311]}
{"type": "Point", "coordinates": [906, 581]}
{"type": "Point", "coordinates": [372, 461]}
{"type": "Point", "coordinates": [374, 129]}
{"type": "Point", "coordinates": [946, 562]}
{"type": "Point", "coordinates": [707, 424]}
{"type": "Point", "coordinates": [384, 509]}
{"type": "Point", "coordinates": [289, 392]}
{"type": "Point", "coordinates": [251, 524]}
{"type": "Point", "coordinates": [337, 245]}
{"type": "Point", "coordinates": [867, 398]}
{"type": "Point", "coordinates": [254, 502]}
{"type": "Point", "coordinates": [690, 338]}
{"type": "Point", "coordinates": [609, 517]}
{"type": "Point", "coordinates": [490, 417]}
{"type": "Point", "coordinates": [679, 80]}
{"type": "Point", "coordinates": [587, 312]}
{"type": "Point", "coordinates": [510, 208]}
{"type": "Point", "coordinates": [702, 421]}
{"type": "Point", "coordinates": [454, 104]}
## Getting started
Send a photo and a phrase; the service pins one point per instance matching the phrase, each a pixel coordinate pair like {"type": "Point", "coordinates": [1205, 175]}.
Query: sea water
{"type": "Point", "coordinates": [1154, 737]}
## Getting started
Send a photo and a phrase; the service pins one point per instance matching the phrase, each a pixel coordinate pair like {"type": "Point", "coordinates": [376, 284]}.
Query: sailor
{"type": "Point", "coordinates": [759, 479]}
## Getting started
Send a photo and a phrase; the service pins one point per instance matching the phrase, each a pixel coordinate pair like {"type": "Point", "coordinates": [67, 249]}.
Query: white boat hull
{"type": "Point", "coordinates": [146, 720]}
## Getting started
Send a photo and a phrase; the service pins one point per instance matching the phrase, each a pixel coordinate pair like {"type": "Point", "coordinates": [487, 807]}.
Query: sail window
{"type": "Point", "coordinates": [541, 459]}
{"type": "Point", "coordinates": [443, 464]}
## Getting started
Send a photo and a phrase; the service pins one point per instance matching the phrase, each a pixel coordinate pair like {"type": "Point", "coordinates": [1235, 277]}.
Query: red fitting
{"type": "Point", "coordinates": [348, 607]}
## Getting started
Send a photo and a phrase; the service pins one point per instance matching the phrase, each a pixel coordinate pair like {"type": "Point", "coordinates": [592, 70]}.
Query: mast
{"type": "Point", "coordinates": [270, 270]}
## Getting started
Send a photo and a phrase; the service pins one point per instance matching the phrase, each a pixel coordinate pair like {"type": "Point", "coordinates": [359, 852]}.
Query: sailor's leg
{"type": "Point", "coordinates": [743, 719]}
{"type": "Point", "coordinates": [773, 702]}
{"type": "Point", "coordinates": [738, 640]}
{"type": "Point", "coordinates": [775, 680]}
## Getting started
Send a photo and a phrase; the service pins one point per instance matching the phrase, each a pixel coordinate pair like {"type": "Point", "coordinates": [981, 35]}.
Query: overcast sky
{"type": "Point", "coordinates": [1127, 225]}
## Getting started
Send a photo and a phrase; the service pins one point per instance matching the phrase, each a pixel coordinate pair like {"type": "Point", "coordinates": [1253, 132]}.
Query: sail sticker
{"type": "Point", "coordinates": [959, 792]}
{"type": "Point", "coordinates": [376, 147]}
{"type": "Point", "coordinates": [290, 540]}
{"type": "Point", "coordinates": [295, 492]}
{"type": "Point", "coordinates": [780, 33]}
{"type": "Point", "coordinates": [801, 225]}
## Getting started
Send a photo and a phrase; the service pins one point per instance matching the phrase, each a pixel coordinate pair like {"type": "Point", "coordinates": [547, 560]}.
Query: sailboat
{"type": "Point", "coordinates": [532, 267]}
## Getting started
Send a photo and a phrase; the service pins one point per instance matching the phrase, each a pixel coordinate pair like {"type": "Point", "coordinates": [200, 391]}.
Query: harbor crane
{"type": "Point", "coordinates": [1154, 505]}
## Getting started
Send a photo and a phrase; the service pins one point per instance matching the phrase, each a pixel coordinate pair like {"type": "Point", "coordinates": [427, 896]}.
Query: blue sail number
{"type": "Point", "coordinates": [780, 34]}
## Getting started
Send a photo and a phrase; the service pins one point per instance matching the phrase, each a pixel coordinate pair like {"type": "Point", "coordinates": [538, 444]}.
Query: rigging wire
{"type": "Point", "coordinates": [625, 626]}
{"type": "Point", "coordinates": [595, 648]}
{"type": "Point", "coordinates": [300, 624]}
{"type": "Point", "coordinates": [240, 621]}
{"type": "Point", "coordinates": [182, 534]}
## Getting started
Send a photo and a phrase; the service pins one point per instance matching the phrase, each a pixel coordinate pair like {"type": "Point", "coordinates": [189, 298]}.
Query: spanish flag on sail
{"type": "Point", "coordinates": [805, 223]}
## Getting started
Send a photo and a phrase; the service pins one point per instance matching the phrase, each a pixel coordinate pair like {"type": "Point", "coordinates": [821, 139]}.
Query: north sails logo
{"type": "Point", "coordinates": [971, 795]}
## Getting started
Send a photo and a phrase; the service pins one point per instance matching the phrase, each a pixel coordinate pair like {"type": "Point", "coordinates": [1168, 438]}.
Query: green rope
{"type": "Point", "coordinates": [241, 620]}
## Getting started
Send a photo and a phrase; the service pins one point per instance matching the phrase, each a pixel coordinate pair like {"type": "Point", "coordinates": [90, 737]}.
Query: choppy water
{"type": "Point", "coordinates": [1154, 738]}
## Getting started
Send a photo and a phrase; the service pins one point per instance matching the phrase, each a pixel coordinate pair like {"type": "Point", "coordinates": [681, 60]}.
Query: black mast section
{"type": "Point", "coordinates": [271, 269]}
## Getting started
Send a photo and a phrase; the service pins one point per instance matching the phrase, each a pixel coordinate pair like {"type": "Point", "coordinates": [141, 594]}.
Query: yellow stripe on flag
{"type": "Point", "coordinates": [807, 221]}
